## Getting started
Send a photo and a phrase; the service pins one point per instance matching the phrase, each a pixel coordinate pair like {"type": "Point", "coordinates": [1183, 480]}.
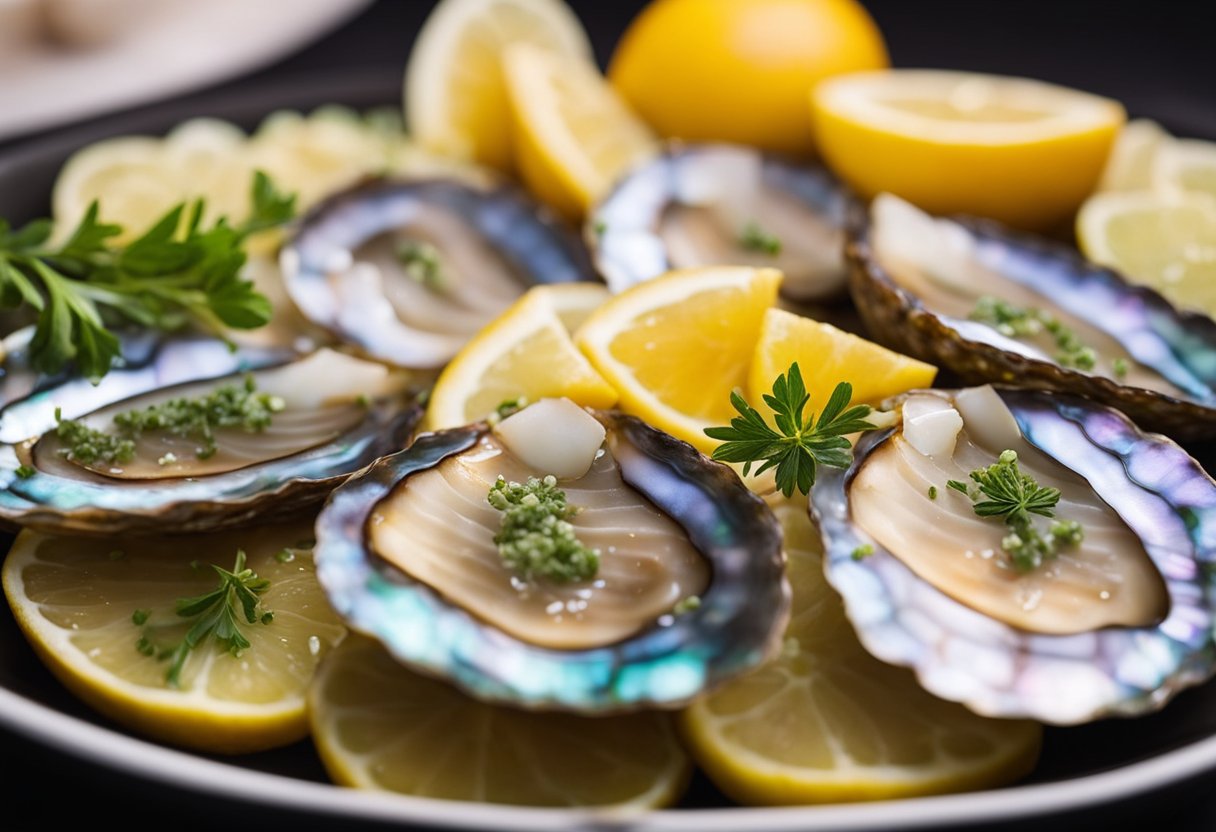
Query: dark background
{"type": "Point", "coordinates": [1156, 57]}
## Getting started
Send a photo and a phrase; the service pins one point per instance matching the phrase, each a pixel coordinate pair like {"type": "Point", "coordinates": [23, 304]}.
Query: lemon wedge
{"type": "Point", "coordinates": [827, 356]}
{"type": "Point", "coordinates": [76, 601]}
{"type": "Point", "coordinates": [1186, 166]}
{"type": "Point", "coordinates": [455, 95]}
{"type": "Point", "coordinates": [827, 722]}
{"type": "Point", "coordinates": [674, 347]}
{"type": "Point", "coordinates": [1020, 151]}
{"type": "Point", "coordinates": [1163, 240]}
{"type": "Point", "coordinates": [573, 135]}
{"type": "Point", "coordinates": [526, 351]}
{"type": "Point", "coordinates": [1133, 158]}
{"type": "Point", "coordinates": [380, 726]}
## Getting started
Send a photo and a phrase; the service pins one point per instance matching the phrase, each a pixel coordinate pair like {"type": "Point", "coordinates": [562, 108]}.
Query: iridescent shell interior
{"type": "Point", "coordinates": [307, 449]}
{"type": "Point", "coordinates": [1070, 671]}
{"type": "Point", "coordinates": [348, 267]}
{"type": "Point", "coordinates": [1168, 380]}
{"type": "Point", "coordinates": [692, 206]}
{"type": "Point", "coordinates": [662, 660]}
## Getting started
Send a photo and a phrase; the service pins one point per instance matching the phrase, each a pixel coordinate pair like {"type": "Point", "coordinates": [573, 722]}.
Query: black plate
{"type": "Point", "coordinates": [1117, 768]}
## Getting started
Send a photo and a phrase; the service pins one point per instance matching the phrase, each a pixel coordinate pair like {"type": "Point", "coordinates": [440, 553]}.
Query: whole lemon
{"type": "Point", "coordinates": [740, 70]}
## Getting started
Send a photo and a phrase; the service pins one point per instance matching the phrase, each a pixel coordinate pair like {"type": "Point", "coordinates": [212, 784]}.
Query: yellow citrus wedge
{"type": "Point", "coordinates": [573, 135]}
{"type": "Point", "coordinates": [380, 726]}
{"type": "Point", "coordinates": [1167, 241]}
{"type": "Point", "coordinates": [1020, 151]}
{"type": "Point", "coordinates": [827, 356]}
{"type": "Point", "coordinates": [1132, 159]}
{"type": "Point", "coordinates": [76, 601]}
{"type": "Point", "coordinates": [526, 351]}
{"type": "Point", "coordinates": [827, 722]}
{"type": "Point", "coordinates": [455, 95]}
{"type": "Point", "coordinates": [1186, 166]}
{"type": "Point", "coordinates": [675, 347]}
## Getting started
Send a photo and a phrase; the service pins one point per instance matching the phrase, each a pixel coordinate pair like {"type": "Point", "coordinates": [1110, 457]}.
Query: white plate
{"type": "Point", "coordinates": [174, 46]}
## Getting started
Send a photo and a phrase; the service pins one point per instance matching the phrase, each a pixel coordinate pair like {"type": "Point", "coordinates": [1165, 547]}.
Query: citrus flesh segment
{"type": "Point", "coordinates": [1166, 241]}
{"type": "Point", "coordinates": [573, 136]}
{"type": "Point", "coordinates": [378, 725]}
{"type": "Point", "coordinates": [674, 347]}
{"type": "Point", "coordinates": [1023, 152]}
{"type": "Point", "coordinates": [827, 722]}
{"type": "Point", "coordinates": [76, 600]}
{"type": "Point", "coordinates": [827, 356]}
{"type": "Point", "coordinates": [526, 351]}
{"type": "Point", "coordinates": [455, 94]}
{"type": "Point", "coordinates": [1186, 166]}
{"type": "Point", "coordinates": [1133, 157]}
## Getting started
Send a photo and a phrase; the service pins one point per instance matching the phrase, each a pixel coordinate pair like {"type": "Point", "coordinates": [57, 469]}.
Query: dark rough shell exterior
{"type": "Point", "coordinates": [738, 624]}
{"type": "Point", "coordinates": [92, 505]}
{"type": "Point", "coordinates": [898, 319]}
{"type": "Point", "coordinates": [960, 654]}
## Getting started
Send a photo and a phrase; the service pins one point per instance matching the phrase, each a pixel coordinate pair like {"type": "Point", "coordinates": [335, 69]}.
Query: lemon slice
{"type": "Point", "coordinates": [827, 722]}
{"type": "Point", "coordinates": [573, 135]}
{"type": "Point", "coordinates": [676, 346]}
{"type": "Point", "coordinates": [455, 96]}
{"type": "Point", "coordinates": [74, 599]}
{"type": "Point", "coordinates": [526, 351]}
{"type": "Point", "coordinates": [1133, 158]}
{"type": "Point", "coordinates": [1167, 241]}
{"type": "Point", "coordinates": [1186, 166]}
{"type": "Point", "coordinates": [378, 725]}
{"type": "Point", "coordinates": [827, 356]}
{"type": "Point", "coordinates": [1020, 151]}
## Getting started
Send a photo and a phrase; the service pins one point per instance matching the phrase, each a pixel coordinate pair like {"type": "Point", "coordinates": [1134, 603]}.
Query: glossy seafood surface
{"type": "Point", "coordinates": [629, 656]}
{"type": "Point", "coordinates": [1126, 620]}
{"type": "Point", "coordinates": [1168, 382]}
{"type": "Point", "coordinates": [308, 448]}
{"type": "Point", "coordinates": [408, 271]}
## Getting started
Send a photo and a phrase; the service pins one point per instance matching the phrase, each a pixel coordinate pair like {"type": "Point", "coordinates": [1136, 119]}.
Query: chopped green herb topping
{"type": "Point", "coordinates": [25, 471]}
{"type": "Point", "coordinates": [933, 492]}
{"type": "Point", "coordinates": [217, 614]}
{"type": "Point", "coordinates": [535, 539]}
{"type": "Point", "coordinates": [422, 263]}
{"type": "Point", "coordinates": [798, 446]}
{"type": "Point", "coordinates": [959, 486]}
{"type": "Point", "coordinates": [507, 407]}
{"type": "Point", "coordinates": [1017, 322]}
{"type": "Point", "coordinates": [1003, 491]}
{"type": "Point", "coordinates": [687, 605]}
{"type": "Point", "coordinates": [862, 552]}
{"type": "Point", "coordinates": [229, 406]}
{"type": "Point", "coordinates": [755, 238]}
{"type": "Point", "coordinates": [1119, 367]}
{"type": "Point", "coordinates": [599, 227]}
{"type": "Point", "coordinates": [284, 556]}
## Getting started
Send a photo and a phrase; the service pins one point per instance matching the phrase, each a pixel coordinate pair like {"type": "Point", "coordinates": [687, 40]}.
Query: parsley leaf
{"type": "Point", "coordinates": [800, 444]}
{"type": "Point", "coordinates": [176, 273]}
{"type": "Point", "coordinates": [216, 613]}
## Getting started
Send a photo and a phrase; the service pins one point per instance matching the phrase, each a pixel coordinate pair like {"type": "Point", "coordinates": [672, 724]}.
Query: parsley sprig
{"type": "Point", "coordinates": [217, 614]}
{"type": "Point", "coordinates": [178, 272]}
{"type": "Point", "coordinates": [799, 445]}
{"type": "Point", "coordinates": [1014, 496]}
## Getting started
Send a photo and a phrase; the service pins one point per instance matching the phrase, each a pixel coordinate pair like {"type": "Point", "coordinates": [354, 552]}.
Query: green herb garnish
{"type": "Point", "coordinates": [177, 273]}
{"type": "Point", "coordinates": [798, 446]}
{"type": "Point", "coordinates": [686, 605]}
{"type": "Point", "coordinates": [535, 539]}
{"type": "Point", "coordinates": [599, 227]}
{"type": "Point", "coordinates": [755, 238]}
{"type": "Point", "coordinates": [1017, 322]}
{"type": "Point", "coordinates": [507, 407]}
{"type": "Point", "coordinates": [25, 471]}
{"type": "Point", "coordinates": [1003, 491]}
{"type": "Point", "coordinates": [933, 492]}
{"type": "Point", "coordinates": [198, 418]}
{"type": "Point", "coordinates": [217, 614]}
{"type": "Point", "coordinates": [862, 552]}
{"type": "Point", "coordinates": [284, 556]}
{"type": "Point", "coordinates": [422, 263]}
{"type": "Point", "coordinates": [1119, 367]}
